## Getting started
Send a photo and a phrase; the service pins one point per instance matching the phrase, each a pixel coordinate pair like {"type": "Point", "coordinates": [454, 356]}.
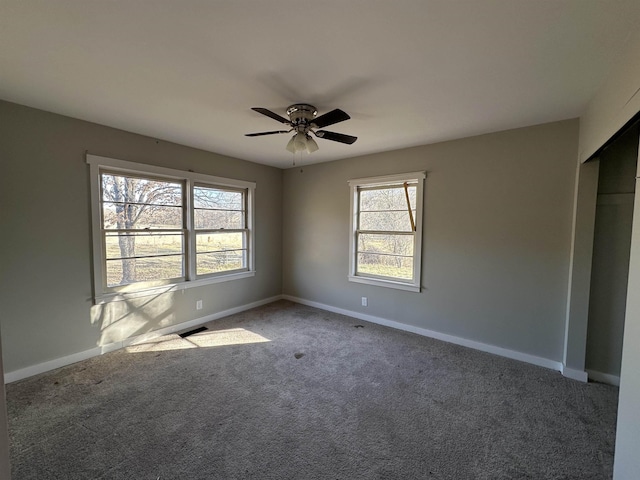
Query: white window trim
{"type": "Point", "coordinates": [96, 163]}
{"type": "Point", "coordinates": [417, 177]}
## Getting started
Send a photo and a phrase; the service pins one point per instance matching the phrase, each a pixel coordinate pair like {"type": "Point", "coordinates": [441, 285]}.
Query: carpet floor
{"type": "Point", "coordinates": [286, 391]}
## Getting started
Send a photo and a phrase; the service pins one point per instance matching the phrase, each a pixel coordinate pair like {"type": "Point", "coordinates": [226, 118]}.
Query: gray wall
{"type": "Point", "coordinates": [611, 247]}
{"type": "Point", "coordinates": [45, 287]}
{"type": "Point", "coordinates": [627, 460]}
{"type": "Point", "coordinates": [497, 233]}
{"type": "Point", "coordinates": [5, 466]}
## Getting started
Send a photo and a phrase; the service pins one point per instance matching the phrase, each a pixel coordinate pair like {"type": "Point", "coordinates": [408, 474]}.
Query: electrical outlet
{"type": "Point", "coordinates": [198, 304]}
{"type": "Point", "coordinates": [365, 302]}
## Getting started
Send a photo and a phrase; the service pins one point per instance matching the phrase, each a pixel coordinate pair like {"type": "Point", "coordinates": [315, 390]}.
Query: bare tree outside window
{"type": "Point", "coordinates": [142, 219]}
{"type": "Point", "coordinates": [385, 231]}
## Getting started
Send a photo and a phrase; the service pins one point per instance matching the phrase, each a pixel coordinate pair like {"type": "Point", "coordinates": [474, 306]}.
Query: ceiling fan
{"type": "Point", "coordinates": [303, 120]}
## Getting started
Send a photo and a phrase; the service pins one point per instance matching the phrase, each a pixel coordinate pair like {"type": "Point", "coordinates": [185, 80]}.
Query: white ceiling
{"type": "Point", "coordinates": [409, 72]}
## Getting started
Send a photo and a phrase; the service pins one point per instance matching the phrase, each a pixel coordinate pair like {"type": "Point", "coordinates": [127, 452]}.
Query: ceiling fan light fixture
{"type": "Point", "coordinates": [291, 145]}
{"type": "Point", "coordinates": [298, 143]}
{"type": "Point", "coordinates": [312, 146]}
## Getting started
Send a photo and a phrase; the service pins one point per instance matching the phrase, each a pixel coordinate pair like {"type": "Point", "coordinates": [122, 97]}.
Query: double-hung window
{"type": "Point", "coordinates": [386, 230]}
{"type": "Point", "coordinates": [157, 227]}
{"type": "Point", "coordinates": [221, 233]}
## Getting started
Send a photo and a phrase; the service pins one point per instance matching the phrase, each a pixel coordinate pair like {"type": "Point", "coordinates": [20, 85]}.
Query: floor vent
{"type": "Point", "coordinates": [191, 332]}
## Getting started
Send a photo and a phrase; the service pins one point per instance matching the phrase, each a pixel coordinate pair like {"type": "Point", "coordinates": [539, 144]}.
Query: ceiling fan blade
{"type": "Point", "coordinates": [259, 134]}
{"type": "Point", "coordinates": [270, 114]}
{"type": "Point", "coordinates": [329, 118]}
{"type": "Point", "coordinates": [336, 137]}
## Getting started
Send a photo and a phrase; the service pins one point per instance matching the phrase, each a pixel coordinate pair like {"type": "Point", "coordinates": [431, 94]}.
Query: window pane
{"type": "Point", "coordinates": [214, 219]}
{"type": "Point", "coordinates": [215, 198]}
{"type": "Point", "coordinates": [219, 252]}
{"type": "Point", "coordinates": [128, 189]}
{"type": "Point", "coordinates": [386, 244]}
{"type": "Point", "coordinates": [124, 245]}
{"type": "Point", "coordinates": [215, 262]}
{"type": "Point", "coordinates": [393, 221]}
{"type": "Point", "coordinates": [392, 198]}
{"type": "Point", "coordinates": [215, 242]}
{"type": "Point", "coordinates": [134, 216]}
{"type": "Point", "coordinates": [160, 257]}
{"type": "Point", "coordinates": [126, 271]}
{"type": "Point", "coordinates": [385, 265]}
{"type": "Point", "coordinates": [136, 203]}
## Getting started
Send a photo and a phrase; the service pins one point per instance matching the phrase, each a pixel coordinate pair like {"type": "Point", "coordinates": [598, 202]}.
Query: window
{"type": "Point", "coordinates": [155, 226]}
{"type": "Point", "coordinates": [386, 230]}
{"type": "Point", "coordinates": [142, 228]}
{"type": "Point", "coordinates": [220, 217]}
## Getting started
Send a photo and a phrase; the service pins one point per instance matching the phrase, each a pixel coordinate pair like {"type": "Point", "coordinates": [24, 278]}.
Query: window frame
{"type": "Point", "coordinates": [418, 178]}
{"type": "Point", "coordinates": [104, 294]}
{"type": "Point", "coordinates": [105, 232]}
{"type": "Point", "coordinates": [199, 231]}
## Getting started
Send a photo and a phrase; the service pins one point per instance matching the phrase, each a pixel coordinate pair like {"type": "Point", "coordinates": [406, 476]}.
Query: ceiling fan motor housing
{"type": "Point", "coordinates": [301, 116]}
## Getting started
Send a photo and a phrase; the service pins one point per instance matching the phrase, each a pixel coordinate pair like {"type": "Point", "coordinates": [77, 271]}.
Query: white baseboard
{"type": "Point", "coordinates": [574, 374]}
{"type": "Point", "coordinates": [604, 377]}
{"type": "Point", "coordinates": [51, 365]}
{"type": "Point", "coordinates": [110, 347]}
{"type": "Point", "coordinates": [503, 352]}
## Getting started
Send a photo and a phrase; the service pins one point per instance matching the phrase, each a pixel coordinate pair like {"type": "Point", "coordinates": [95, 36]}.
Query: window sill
{"type": "Point", "coordinates": [123, 296]}
{"type": "Point", "coordinates": [409, 287]}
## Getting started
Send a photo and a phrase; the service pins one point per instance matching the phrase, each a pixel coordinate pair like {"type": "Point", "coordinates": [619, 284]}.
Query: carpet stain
{"type": "Point", "coordinates": [358, 326]}
{"type": "Point", "coordinates": [298, 355]}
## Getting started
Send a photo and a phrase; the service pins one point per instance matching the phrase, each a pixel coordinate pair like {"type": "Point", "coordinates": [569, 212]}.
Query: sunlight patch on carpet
{"type": "Point", "coordinates": [207, 339]}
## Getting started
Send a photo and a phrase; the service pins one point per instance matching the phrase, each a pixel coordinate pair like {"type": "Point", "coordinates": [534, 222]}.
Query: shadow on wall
{"type": "Point", "coordinates": [120, 320]}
